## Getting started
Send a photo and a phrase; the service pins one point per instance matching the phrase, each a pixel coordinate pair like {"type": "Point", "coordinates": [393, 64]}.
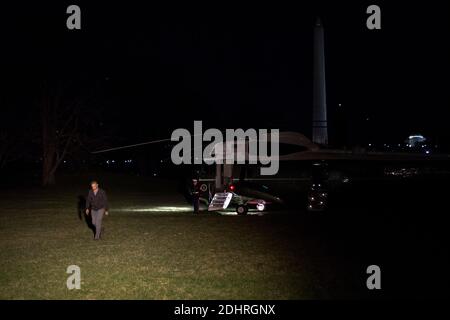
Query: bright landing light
{"type": "Point", "coordinates": [260, 206]}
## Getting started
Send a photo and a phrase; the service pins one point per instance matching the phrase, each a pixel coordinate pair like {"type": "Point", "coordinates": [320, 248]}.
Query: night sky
{"type": "Point", "coordinates": [153, 68]}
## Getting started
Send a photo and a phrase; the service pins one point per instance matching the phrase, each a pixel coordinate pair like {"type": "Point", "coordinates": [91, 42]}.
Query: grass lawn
{"type": "Point", "coordinates": [152, 248]}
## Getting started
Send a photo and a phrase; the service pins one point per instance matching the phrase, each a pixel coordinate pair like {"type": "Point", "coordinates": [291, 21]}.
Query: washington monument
{"type": "Point", "coordinates": [319, 124]}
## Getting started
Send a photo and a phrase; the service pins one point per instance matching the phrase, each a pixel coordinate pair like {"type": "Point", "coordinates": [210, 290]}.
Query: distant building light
{"type": "Point", "coordinates": [416, 136]}
{"type": "Point", "coordinates": [416, 140]}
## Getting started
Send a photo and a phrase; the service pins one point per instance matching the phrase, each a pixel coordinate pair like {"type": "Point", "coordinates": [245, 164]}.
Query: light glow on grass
{"type": "Point", "coordinates": [159, 209]}
{"type": "Point", "coordinates": [250, 212]}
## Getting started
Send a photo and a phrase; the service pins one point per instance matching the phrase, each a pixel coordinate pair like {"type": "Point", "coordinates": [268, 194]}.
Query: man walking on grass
{"type": "Point", "coordinates": [97, 205]}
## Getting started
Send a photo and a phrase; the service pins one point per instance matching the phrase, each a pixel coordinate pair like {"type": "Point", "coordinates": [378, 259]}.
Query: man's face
{"type": "Point", "coordinates": [194, 182]}
{"type": "Point", "coordinates": [94, 186]}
